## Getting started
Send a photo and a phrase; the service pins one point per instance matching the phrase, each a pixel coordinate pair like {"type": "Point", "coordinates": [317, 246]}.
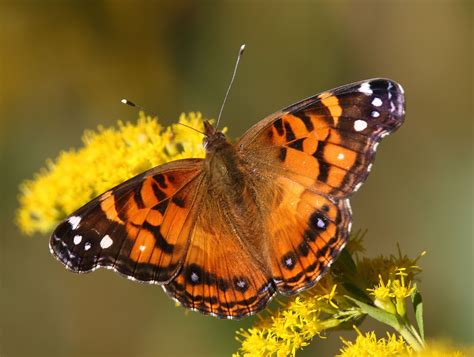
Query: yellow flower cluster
{"type": "Point", "coordinates": [285, 333]}
{"type": "Point", "coordinates": [338, 299]}
{"type": "Point", "coordinates": [292, 327]}
{"type": "Point", "coordinates": [109, 157]}
{"type": "Point", "coordinates": [394, 291]}
{"type": "Point", "coordinates": [369, 345]}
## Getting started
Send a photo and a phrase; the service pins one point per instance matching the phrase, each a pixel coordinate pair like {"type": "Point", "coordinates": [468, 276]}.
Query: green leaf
{"type": "Point", "coordinates": [418, 307]}
{"type": "Point", "coordinates": [378, 314]}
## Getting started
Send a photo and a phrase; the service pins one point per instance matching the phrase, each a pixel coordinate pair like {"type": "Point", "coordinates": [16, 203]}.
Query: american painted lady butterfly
{"type": "Point", "coordinates": [269, 213]}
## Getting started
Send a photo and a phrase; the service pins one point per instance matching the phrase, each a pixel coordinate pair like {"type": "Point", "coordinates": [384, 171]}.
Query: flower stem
{"type": "Point", "coordinates": [411, 336]}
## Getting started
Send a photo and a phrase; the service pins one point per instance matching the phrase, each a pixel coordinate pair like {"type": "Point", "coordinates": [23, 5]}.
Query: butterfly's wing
{"type": "Point", "coordinates": [161, 227]}
{"type": "Point", "coordinates": [139, 228]}
{"type": "Point", "coordinates": [319, 152]}
{"type": "Point", "coordinates": [221, 276]}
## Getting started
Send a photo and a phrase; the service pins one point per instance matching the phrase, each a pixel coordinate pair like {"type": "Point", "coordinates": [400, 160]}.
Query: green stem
{"type": "Point", "coordinates": [411, 337]}
{"type": "Point", "coordinates": [417, 335]}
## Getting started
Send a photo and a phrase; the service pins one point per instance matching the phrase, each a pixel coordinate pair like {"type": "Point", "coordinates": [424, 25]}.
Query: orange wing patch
{"type": "Point", "coordinates": [307, 232]}
{"type": "Point", "coordinates": [220, 276]}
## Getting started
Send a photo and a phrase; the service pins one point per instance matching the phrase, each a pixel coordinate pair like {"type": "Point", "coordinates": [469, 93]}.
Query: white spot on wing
{"type": "Point", "coordinates": [77, 240]}
{"type": "Point", "coordinates": [375, 114]}
{"type": "Point", "coordinates": [369, 167]}
{"type": "Point", "coordinates": [340, 156]}
{"type": "Point", "coordinates": [194, 277]}
{"type": "Point", "coordinates": [360, 125]}
{"type": "Point", "coordinates": [321, 223]}
{"type": "Point", "coordinates": [106, 242]}
{"type": "Point", "coordinates": [87, 246]}
{"type": "Point", "coordinates": [375, 146]}
{"type": "Point", "coordinates": [356, 188]}
{"type": "Point", "coordinates": [142, 248]}
{"type": "Point", "coordinates": [365, 88]}
{"type": "Point", "coordinates": [377, 102]}
{"type": "Point", "coordinates": [74, 221]}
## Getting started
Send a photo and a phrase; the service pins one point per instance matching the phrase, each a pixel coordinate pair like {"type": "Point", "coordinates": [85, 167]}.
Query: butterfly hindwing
{"type": "Point", "coordinates": [139, 228]}
{"type": "Point", "coordinates": [306, 233]}
{"type": "Point", "coordinates": [221, 274]}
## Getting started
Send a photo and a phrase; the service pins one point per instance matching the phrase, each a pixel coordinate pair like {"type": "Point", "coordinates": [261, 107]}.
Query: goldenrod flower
{"type": "Point", "coordinates": [401, 291]}
{"type": "Point", "coordinates": [108, 157]}
{"type": "Point", "coordinates": [338, 299]}
{"type": "Point", "coordinates": [370, 269]}
{"type": "Point", "coordinates": [383, 295]}
{"type": "Point", "coordinates": [397, 289]}
{"type": "Point", "coordinates": [444, 349]}
{"type": "Point", "coordinates": [369, 345]}
{"type": "Point", "coordinates": [286, 331]}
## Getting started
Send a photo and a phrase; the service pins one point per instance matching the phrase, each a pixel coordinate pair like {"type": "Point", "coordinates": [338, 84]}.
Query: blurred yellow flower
{"type": "Point", "coordinates": [443, 348]}
{"type": "Point", "coordinates": [109, 156]}
{"type": "Point", "coordinates": [370, 269]}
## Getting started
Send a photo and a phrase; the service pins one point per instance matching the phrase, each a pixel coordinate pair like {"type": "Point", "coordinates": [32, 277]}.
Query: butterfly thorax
{"type": "Point", "coordinates": [222, 165]}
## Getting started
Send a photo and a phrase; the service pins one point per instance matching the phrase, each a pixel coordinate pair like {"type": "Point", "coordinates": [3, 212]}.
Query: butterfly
{"type": "Point", "coordinates": [269, 213]}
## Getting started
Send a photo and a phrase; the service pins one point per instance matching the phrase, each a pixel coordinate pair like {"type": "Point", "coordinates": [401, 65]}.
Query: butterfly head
{"type": "Point", "coordinates": [214, 139]}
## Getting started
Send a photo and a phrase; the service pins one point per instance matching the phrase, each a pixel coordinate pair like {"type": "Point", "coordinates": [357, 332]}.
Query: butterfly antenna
{"type": "Point", "coordinates": [241, 51]}
{"type": "Point", "coordinates": [190, 127]}
{"type": "Point", "coordinates": [132, 104]}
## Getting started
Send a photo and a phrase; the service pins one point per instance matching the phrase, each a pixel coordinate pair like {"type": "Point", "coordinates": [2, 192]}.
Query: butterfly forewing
{"type": "Point", "coordinates": [328, 141]}
{"type": "Point", "coordinates": [135, 228]}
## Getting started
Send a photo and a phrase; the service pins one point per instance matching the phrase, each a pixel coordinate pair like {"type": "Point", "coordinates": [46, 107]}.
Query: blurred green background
{"type": "Point", "coordinates": [64, 66]}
